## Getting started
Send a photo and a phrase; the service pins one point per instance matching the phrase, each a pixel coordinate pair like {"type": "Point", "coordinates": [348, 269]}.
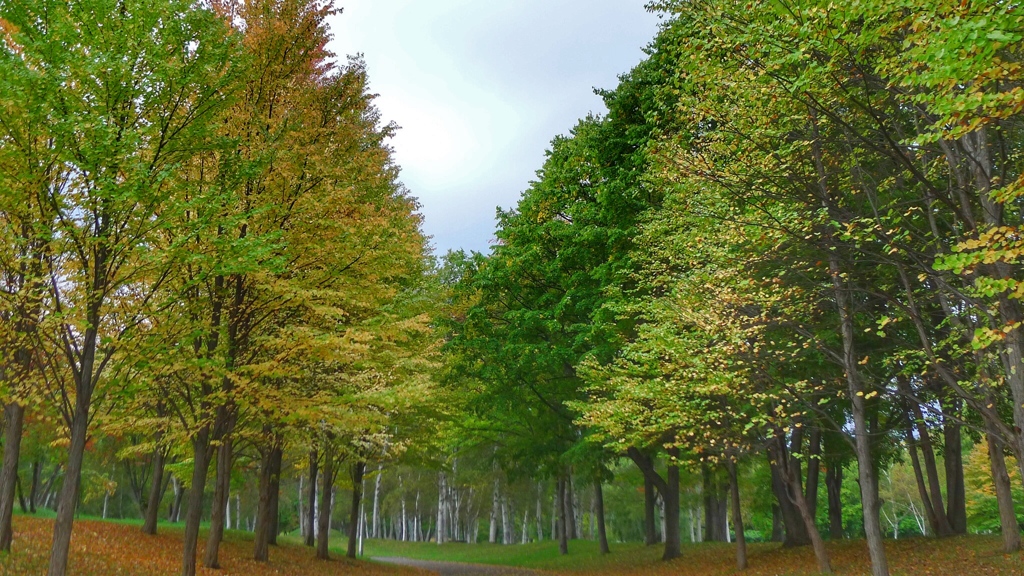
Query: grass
{"type": "Point", "coordinates": [961, 556]}
{"type": "Point", "coordinates": [584, 554]}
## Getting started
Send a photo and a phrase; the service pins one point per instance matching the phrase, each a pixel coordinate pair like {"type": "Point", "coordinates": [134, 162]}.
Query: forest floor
{"type": "Point", "coordinates": [961, 556]}
{"type": "Point", "coordinates": [104, 548]}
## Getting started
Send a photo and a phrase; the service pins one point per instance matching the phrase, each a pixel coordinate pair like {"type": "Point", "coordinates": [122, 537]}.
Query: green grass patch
{"type": "Point", "coordinates": [583, 554]}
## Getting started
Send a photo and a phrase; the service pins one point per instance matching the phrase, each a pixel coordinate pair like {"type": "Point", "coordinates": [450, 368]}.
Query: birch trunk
{"type": "Point", "coordinates": [563, 538]}
{"type": "Point", "coordinates": [375, 530]}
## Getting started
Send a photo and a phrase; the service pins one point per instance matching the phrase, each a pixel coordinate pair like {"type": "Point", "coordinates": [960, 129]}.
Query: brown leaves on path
{"type": "Point", "coordinates": [109, 549]}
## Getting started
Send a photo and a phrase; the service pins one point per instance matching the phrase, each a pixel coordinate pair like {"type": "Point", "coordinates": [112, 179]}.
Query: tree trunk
{"type": "Point", "coordinates": [980, 166]}
{"type": "Point", "coordinates": [673, 545]}
{"type": "Point", "coordinates": [73, 473]}
{"type": "Point", "coordinates": [570, 512]}
{"type": "Point", "coordinates": [442, 509]}
{"type": "Point", "coordinates": [715, 506]}
{"type": "Point", "coordinates": [661, 518]}
{"type": "Point", "coordinates": [405, 518]}
{"type": "Point", "coordinates": [324, 520]}
{"type": "Point", "coordinates": [737, 517]}
{"type": "Point", "coordinates": [941, 524]}
{"type": "Point", "coordinates": [179, 494]}
{"type": "Point", "coordinates": [922, 490]}
{"type": "Point", "coordinates": [563, 535]}
{"type": "Point", "coordinates": [358, 469]}
{"type": "Point", "coordinates": [813, 471]}
{"type": "Point", "coordinates": [33, 493]}
{"type": "Point", "coordinates": [669, 489]}
{"type": "Point", "coordinates": [375, 530]}
{"type": "Point", "coordinates": [602, 535]}
{"type": "Point", "coordinates": [650, 530]}
{"type": "Point", "coordinates": [495, 507]}
{"type": "Point", "coordinates": [218, 508]}
{"type": "Point", "coordinates": [507, 522]}
{"type": "Point", "coordinates": [1007, 514]}
{"type": "Point", "coordinates": [778, 528]}
{"type": "Point", "coordinates": [14, 418]}
{"type": "Point", "coordinates": [156, 493]}
{"type": "Point", "coordinates": [276, 456]}
{"type": "Point", "coordinates": [311, 499]}
{"type": "Point", "coordinates": [850, 363]}
{"type": "Point", "coordinates": [790, 476]}
{"type": "Point", "coordinates": [417, 521]}
{"type": "Point", "coordinates": [795, 529]}
{"type": "Point", "coordinates": [201, 462]}
{"type": "Point", "coordinates": [834, 487]}
{"type": "Point", "coordinates": [540, 512]}
{"type": "Point", "coordinates": [21, 495]}
{"type": "Point", "coordinates": [261, 540]}
{"type": "Point", "coordinates": [956, 500]}
{"type": "Point", "coordinates": [862, 445]}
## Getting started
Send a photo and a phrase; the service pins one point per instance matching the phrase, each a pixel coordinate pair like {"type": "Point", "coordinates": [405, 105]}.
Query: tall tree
{"type": "Point", "coordinates": [132, 91]}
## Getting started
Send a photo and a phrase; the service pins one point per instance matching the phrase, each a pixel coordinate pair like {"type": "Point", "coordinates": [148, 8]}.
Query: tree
{"type": "Point", "coordinates": [123, 110]}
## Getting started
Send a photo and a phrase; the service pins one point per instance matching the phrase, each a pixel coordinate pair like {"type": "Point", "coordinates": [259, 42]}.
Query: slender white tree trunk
{"type": "Point", "coordinates": [495, 505]}
{"type": "Point", "coordinates": [441, 508]}
{"type": "Point", "coordinates": [316, 508]}
{"type": "Point", "coordinates": [577, 511]}
{"type": "Point", "coordinates": [540, 512]}
{"type": "Point", "coordinates": [361, 529]}
{"type": "Point", "coordinates": [375, 532]}
{"type": "Point", "coordinates": [728, 537]}
{"type": "Point", "coordinates": [507, 532]}
{"type": "Point", "coordinates": [693, 535]}
{"type": "Point", "coordinates": [554, 515]}
{"type": "Point", "coordinates": [417, 523]}
{"type": "Point", "coordinates": [405, 520]}
{"type": "Point", "coordinates": [661, 513]}
{"type": "Point", "coordinates": [334, 492]}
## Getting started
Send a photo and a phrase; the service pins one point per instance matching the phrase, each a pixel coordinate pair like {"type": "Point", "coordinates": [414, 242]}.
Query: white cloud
{"type": "Point", "coordinates": [481, 86]}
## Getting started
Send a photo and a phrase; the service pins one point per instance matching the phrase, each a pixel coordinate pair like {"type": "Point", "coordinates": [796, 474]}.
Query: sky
{"type": "Point", "coordinates": [480, 87]}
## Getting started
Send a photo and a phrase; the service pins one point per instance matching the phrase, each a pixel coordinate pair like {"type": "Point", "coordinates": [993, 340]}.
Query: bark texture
{"type": "Point", "coordinates": [157, 488]}
{"type": "Point", "coordinates": [14, 417]}
{"type": "Point", "coordinates": [737, 518]}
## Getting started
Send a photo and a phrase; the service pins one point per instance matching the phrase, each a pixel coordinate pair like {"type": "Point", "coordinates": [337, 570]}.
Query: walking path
{"type": "Point", "coordinates": [459, 568]}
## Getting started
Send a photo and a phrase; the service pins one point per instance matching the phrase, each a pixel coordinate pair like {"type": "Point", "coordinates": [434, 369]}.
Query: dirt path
{"type": "Point", "coordinates": [458, 568]}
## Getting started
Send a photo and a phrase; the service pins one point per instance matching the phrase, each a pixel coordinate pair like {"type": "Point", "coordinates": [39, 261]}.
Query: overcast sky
{"type": "Point", "coordinates": [480, 87]}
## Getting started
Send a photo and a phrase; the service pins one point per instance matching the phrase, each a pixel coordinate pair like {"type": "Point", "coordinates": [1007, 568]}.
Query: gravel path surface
{"type": "Point", "coordinates": [459, 569]}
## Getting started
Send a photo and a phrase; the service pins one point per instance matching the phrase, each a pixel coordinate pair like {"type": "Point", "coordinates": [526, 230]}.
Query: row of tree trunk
{"type": "Point", "coordinates": [795, 462]}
